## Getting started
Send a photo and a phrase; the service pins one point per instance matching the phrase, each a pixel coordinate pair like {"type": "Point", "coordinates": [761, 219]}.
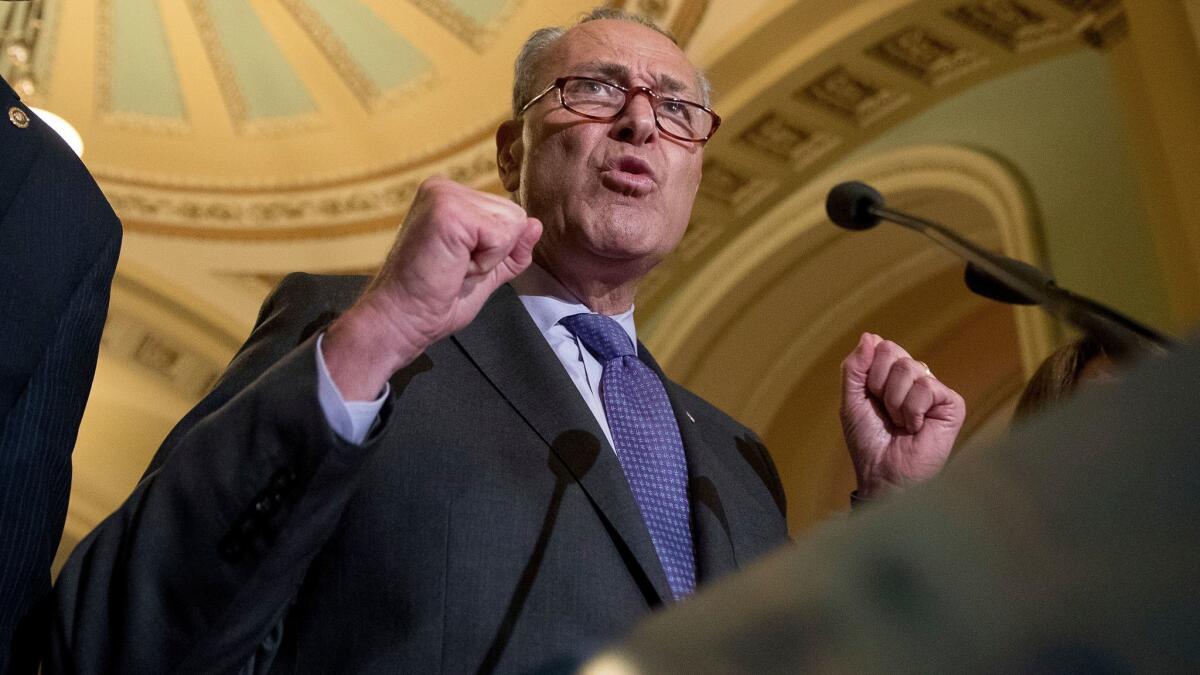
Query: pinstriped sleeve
{"type": "Point", "coordinates": [36, 439]}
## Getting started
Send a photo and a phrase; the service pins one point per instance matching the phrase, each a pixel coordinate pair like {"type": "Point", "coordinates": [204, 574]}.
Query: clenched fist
{"type": "Point", "coordinates": [456, 247]}
{"type": "Point", "coordinates": [900, 421]}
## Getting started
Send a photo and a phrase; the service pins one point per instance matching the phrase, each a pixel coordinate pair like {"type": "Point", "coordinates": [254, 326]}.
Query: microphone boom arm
{"type": "Point", "coordinates": [1117, 332]}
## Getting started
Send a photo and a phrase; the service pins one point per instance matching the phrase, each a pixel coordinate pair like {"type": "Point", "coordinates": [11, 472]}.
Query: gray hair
{"type": "Point", "coordinates": [541, 40]}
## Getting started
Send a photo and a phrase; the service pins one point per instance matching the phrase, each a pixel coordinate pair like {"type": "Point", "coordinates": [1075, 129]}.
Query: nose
{"type": "Point", "coordinates": [636, 123]}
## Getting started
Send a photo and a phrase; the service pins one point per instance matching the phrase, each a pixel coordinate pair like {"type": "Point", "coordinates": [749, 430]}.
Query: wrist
{"type": "Point", "coordinates": [363, 348]}
{"type": "Point", "coordinates": [873, 486]}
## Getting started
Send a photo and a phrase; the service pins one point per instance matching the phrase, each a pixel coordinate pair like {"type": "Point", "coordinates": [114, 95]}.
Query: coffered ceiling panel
{"type": "Point", "coordinates": [257, 80]}
{"type": "Point", "coordinates": [373, 60]}
{"type": "Point", "coordinates": [136, 75]}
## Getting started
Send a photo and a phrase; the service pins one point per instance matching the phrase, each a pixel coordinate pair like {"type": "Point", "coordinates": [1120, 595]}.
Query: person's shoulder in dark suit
{"type": "Point", "coordinates": [59, 241]}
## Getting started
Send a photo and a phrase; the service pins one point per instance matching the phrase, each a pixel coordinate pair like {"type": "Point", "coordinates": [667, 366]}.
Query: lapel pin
{"type": "Point", "coordinates": [689, 414]}
{"type": "Point", "coordinates": [18, 117]}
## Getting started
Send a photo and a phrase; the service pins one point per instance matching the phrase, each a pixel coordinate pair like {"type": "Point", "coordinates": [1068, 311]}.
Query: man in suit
{"type": "Point", "coordinates": [58, 247]}
{"type": "Point", "coordinates": [471, 465]}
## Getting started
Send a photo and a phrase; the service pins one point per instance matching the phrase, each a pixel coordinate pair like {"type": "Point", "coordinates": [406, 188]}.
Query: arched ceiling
{"type": "Point", "coordinates": [235, 119]}
{"type": "Point", "coordinates": [283, 119]}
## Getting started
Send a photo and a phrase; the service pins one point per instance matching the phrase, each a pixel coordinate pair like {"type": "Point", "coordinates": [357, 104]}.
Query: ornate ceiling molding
{"type": "Point", "coordinates": [139, 342]}
{"type": "Point", "coordinates": [365, 89]}
{"type": "Point", "coordinates": [28, 33]}
{"type": "Point", "coordinates": [933, 59]}
{"type": "Point", "coordinates": [184, 350]}
{"type": "Point", "coordinates": [476, 35]}
{"type": "Point", "coordinates": [1016, 25]}
{"type": "Point", "coordinates": [326, 207]}
{"type": "Point", "coordinates": [316, 214]}
{"type": "Point", "coordinates": [813, 111]}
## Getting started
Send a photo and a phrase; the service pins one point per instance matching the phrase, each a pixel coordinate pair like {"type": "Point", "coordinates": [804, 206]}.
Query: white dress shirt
{"type": "Point", "coordinates": [547, 303]}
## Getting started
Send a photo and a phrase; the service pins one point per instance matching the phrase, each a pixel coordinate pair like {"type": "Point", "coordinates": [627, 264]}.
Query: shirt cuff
{"type": "Point", "coordinates": [351, 420]}
{"type": "Point", "coordinates": [856, 501]}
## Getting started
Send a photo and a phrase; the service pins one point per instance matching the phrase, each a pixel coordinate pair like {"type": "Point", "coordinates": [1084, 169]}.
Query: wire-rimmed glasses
{"type": "Point", "coordinates": [604, 101]}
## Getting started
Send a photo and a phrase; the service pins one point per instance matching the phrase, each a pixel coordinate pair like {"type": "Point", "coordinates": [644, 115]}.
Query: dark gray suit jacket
{"type": "Point", "coordinates": [58, 246]}
{"type": "Point", "coordinates": [484, 526]}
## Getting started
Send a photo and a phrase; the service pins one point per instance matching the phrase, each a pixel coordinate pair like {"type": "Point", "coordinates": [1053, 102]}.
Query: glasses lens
{"type": "Point", "coordinates": [683, 119]}
{"type": "Point", "coordinates": [596, 98]}
{"type": "Point", "coordinates": [593, 97]}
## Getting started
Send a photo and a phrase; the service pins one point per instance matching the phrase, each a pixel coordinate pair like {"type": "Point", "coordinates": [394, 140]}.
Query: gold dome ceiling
{"type": "Point", "coordinates": [278, 120]}
{"type": "Point", "coordinates": [210, 117]}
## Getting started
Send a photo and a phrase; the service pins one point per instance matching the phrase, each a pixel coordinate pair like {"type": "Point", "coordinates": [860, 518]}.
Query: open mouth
{"type": "Point", "coordinates": [629, 176]}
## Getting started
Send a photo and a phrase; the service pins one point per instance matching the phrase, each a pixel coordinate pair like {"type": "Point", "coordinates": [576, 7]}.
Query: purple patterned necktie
{"type": "Point", "coordinates": [647, 442]}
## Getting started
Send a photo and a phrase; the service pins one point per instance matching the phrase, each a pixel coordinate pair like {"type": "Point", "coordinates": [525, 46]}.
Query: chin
{"type": "Point", "coordinates": [626, 249]}
{"type": "Point", "coordinates": [631, 260]}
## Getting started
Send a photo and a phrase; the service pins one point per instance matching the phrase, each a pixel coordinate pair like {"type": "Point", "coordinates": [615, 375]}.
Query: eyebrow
{"type": "Point", "coordinates": [617, 72]}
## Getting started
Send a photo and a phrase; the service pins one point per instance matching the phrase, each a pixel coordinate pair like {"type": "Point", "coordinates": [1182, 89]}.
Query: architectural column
{"type": "Point", "coordinates": [1156, 67]}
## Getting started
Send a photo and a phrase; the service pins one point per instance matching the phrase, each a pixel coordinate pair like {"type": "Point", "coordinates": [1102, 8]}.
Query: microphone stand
{"type": "Point", "coordinates": [987, 286]}
{"type": "Point", "coordinates": [1117, 332]}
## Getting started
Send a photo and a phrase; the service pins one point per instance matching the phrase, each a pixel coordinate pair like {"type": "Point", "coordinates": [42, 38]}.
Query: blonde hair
{"type": "Point", "coordinates": [1058, 376]}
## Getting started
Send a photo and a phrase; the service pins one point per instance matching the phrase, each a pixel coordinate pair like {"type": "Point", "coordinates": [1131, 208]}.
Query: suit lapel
{"type": "Point", "coordinates": [507, 347]}
{"type": "Point", "coordinates": [710, 523]}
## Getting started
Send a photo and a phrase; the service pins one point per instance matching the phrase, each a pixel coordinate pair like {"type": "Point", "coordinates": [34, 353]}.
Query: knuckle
{"type": "Point", "coordinates": [438, 210]}
{"type": "Point", "coordinates": [432, 184]}
{"type": "Point", "coordinates": [894, 350]}
{"type": "Point", "coordinates": [905, 366]}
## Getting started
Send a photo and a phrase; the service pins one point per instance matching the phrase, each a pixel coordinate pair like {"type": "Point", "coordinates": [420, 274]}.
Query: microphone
{"type": "Point", "coordinates": [981, 284]}
{"type": "Point", "coordinates": [850, 205]}
{"type": "Point", "coordinates": [858, 206]}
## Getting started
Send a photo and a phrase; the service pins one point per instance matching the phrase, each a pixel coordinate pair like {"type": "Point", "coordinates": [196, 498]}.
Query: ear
{"type": "Point", "coordinates": [510, 150]}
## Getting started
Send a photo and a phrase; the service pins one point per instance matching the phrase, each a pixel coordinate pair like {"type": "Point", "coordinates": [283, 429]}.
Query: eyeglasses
{"type": "Point", "coordinates": [605, 101]}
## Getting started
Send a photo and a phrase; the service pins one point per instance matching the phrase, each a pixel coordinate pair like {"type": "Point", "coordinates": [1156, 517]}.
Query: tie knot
{"type": "Point", "coordinates": [602, 336]}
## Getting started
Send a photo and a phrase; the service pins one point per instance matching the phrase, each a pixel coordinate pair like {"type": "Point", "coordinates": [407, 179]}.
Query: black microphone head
{"type": "Point", "coordinates": [849, 205]}
{"type": "Point", "coordinates": [985, 285]}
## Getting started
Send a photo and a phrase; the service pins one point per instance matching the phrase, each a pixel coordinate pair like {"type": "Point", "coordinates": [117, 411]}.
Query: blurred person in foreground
{"type": "Point", "coordinates": [469, 463]}
{"type": "Point", "coordinates": [59, 241]}
{"type": "Point", "coordinates": [1068, 546]}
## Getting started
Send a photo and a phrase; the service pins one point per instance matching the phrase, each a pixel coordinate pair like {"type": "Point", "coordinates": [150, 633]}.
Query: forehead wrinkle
{"type": "Point", "coordinates": [608, 69]}
{"type": "Point", "coordinates": [670, 84]}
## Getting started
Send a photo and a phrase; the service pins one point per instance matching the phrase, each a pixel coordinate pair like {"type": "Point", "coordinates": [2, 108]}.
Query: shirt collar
{"type": "Point", "coordinates": [547, 302]}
